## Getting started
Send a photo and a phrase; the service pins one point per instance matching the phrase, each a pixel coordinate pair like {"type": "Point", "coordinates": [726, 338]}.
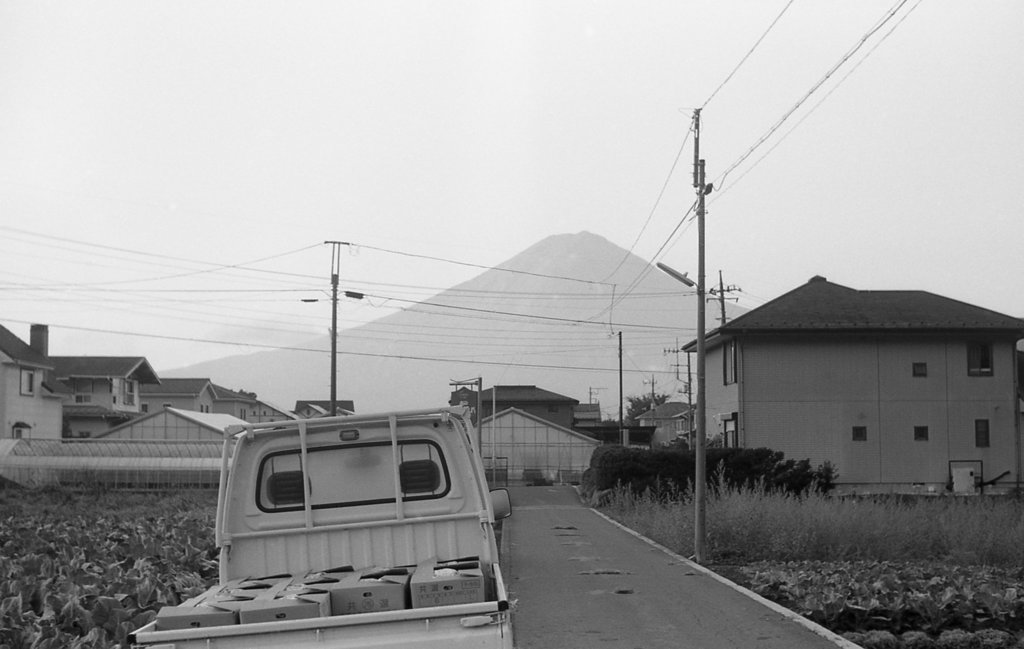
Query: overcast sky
{"type": "Point", "coordinates": [147, 146]}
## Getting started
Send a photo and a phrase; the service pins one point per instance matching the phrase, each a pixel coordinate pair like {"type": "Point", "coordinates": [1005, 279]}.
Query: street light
{"type": "Point", "coordinates": [354, 295]}
{"type": "Point", "coordinates": [699, 480]}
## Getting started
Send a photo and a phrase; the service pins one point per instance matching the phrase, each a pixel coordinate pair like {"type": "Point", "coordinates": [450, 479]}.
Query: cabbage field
{"type": "Point", "coordinates": [81, 570]}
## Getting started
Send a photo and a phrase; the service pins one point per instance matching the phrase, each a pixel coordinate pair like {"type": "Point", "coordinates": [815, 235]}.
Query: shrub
{"type": "Point", "coordinates": [672, 470]}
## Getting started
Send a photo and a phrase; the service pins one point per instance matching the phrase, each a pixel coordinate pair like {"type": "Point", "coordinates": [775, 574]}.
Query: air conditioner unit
{"type": "Point", "coordinates": [963, 480]}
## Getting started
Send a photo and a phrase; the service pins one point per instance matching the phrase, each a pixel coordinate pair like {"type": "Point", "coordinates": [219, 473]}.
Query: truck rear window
{"type": "Point", "coordinates": [351, 475]}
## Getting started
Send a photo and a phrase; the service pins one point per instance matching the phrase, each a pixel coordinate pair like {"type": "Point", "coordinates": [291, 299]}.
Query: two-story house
{"type": "Point", "coordinates": [547, 405]}
{"type": "Point", "coordinates": [899, 390]}
{"type": "Point", "coordinates": [103, 390]}
{"type": "Point", "coordinates": [30, 405]}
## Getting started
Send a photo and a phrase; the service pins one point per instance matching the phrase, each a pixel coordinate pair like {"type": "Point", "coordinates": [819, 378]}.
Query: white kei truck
{"type": "Point", "coordinates": [344, 532]}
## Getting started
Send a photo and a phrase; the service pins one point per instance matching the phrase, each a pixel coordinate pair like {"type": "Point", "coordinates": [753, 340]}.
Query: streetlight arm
{"type": "Point", "coordinates": [676, 275]}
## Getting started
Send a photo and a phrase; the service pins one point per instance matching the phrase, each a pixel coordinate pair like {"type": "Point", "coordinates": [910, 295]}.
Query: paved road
{"type": "Point", "coordinates": [582, 582]}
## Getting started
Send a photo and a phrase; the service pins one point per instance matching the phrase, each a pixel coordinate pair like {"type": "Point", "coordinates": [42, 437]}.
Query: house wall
{"type": "Point", "coordinates": [40, 410]}
{"type": "Point", "coordinates": [250, 411]}
{"type": "Point", "coordinates": [805, 397]}
{"type": "Point", "coordinates": [114, 393]}
{"type": "Point", "coordinates": [197, 403]}
{"type": "Point", "coordinates": [721, 399]}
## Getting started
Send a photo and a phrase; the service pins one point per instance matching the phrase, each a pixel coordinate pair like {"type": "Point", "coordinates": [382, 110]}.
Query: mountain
{"type": "Point", "coordinates": [550, 316]}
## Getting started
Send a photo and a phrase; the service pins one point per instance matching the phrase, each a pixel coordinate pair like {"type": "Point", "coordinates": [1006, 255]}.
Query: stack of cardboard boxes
{"type": "Point", "coordinates": [338, 591]}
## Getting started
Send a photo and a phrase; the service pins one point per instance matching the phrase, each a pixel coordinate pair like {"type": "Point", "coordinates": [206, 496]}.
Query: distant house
{"type": "Point", "coordinates": [550, 406]}
{"type": "Point", "coordinates": [30, 404]}
{"type": "Point", "coordinates": [671, 422]}
{"type": "Point", "coordinates": [310, 409]}
{"type": "Point", "coordinates": [518, 446]}
{"type": "Point", "coordinates": [103, 391]}
{"type": "Point", "coordinates": [173, 424]}
{"type": "Point", "coordinates": [184, 394]}
{"type": "Point", "coordinates": [900, 390]}
{"type": "Point", "coordinates": [246, 406]}
{"type": "Point", "coordinates": [203, 395]}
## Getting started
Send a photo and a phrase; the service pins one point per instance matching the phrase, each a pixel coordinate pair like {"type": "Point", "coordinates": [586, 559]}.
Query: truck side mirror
{"type": "Point", "coordinates": [500, 504]}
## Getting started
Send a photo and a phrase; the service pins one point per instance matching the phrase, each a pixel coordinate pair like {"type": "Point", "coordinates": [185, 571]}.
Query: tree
{"type": "Point", "coordinates": [641, 404]}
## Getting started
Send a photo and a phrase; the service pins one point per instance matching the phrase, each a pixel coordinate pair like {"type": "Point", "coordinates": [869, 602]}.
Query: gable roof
{"type": "Point", "coordinates": [102, 367]}
{"type": "Point", "coordinates": [820, 305]}
{"type": "Point", "coordinates": [21, 351]}
{"type": "Point", "coordinates": [211, 421]}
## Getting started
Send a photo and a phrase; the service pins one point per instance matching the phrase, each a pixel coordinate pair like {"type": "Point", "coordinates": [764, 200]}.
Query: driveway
{"type": "Point", "coordinates": [580, 581]}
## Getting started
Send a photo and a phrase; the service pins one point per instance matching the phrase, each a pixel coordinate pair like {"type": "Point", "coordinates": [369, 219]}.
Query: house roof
{"type": "Point", "coordinates": [220, 392]}
{"type": "Point", "coordinates": [525, 394]}
{"type": "Point", "coordinates": [102, 367]}
{"type": "Point", "coordinates": [168, 387]}
{"type": "Point", "coordinates": [820, 305]}
{"type": "Point", "coordinates": [666, 410]}
{"type": "Point", "coordinates": [21, 351]}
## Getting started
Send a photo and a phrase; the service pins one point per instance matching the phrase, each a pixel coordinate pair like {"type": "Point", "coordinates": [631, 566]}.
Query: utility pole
{"type": "Point", "coordinates": [675, 350]}
{"type": "Point", "coordinates": [652, 391]}
{"type": "Point", "coordinates": [335, 264]}
{"type": "Point", "coordinates": [623, 434]}
{"type": "Point", "coordinates": [721, 291]}
{"type": "Point", "coordinates": [590, 393]}
{"type": "Point", "coordinates": [700, 484]}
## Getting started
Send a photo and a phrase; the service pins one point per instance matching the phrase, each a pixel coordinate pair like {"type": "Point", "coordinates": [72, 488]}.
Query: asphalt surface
{"type": "Point", "coordinates": [580, 581]}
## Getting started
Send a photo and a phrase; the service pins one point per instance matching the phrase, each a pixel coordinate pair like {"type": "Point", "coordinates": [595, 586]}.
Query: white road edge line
{"type": "Point", "coordinates": [839, 640]}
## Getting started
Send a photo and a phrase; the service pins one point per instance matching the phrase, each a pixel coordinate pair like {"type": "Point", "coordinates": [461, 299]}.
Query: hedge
{"type": "Point", "coordinates": [672, 470]}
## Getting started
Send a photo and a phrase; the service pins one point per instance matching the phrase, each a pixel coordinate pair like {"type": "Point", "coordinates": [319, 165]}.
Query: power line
{"type": "Point", "coordinates": [495, 268]}
{"type": "Point", "coordinates": [747, 55]}
{"type": "Point", "coordinates": [827, 95]}
{"type": "Point", "coordinates": [814, 88]}
{"type": "Point", "coordinates": [321, 351]}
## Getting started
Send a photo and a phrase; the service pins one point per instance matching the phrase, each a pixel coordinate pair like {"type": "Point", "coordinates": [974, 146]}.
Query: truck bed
{"type": "Point", "coordinates": [480, 625]}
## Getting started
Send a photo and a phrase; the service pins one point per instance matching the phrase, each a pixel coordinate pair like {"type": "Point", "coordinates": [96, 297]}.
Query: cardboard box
{"type": "Point", "coordinates": [444, 583]}
{"type": "Point", "coordinates": [369, 591]}
{"type": "Point", "coordinates": [284, 607]}
{"type": "Point", "coordinates": [212, 608]}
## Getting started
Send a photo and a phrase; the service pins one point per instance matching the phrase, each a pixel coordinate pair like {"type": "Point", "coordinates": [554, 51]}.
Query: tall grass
{"type": "Point", "coordinates": [755, 525]}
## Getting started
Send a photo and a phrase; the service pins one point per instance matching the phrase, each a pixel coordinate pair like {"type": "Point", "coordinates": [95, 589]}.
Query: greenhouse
{"type": "Point", "coordinates": [117, 464]}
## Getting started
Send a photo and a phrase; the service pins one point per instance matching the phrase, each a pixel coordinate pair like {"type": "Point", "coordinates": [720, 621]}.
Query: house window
{"type": "Point", "coordinates": [145, 407]}
{"type": "Point", "coordinates": [981, 437]}
{"type": "Point", "coordinates": [730, 432]}
{"type": "Point", "coordinates": [920, 369]}
{"type": "Point", "coordinates": [860, 433]}
{"type": "Point", "coordinates": [729, 362]}
{"type": "Point", "coordinates": [83, 398]}
{"type": "Point", "coordinates": [920, 433]}
{"type": "Point", "coordinates": [28, 382]}
{"type": "Point", "coordinates": [979, 359]}
{"type": "Point", "coordinates": [20, 430]}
